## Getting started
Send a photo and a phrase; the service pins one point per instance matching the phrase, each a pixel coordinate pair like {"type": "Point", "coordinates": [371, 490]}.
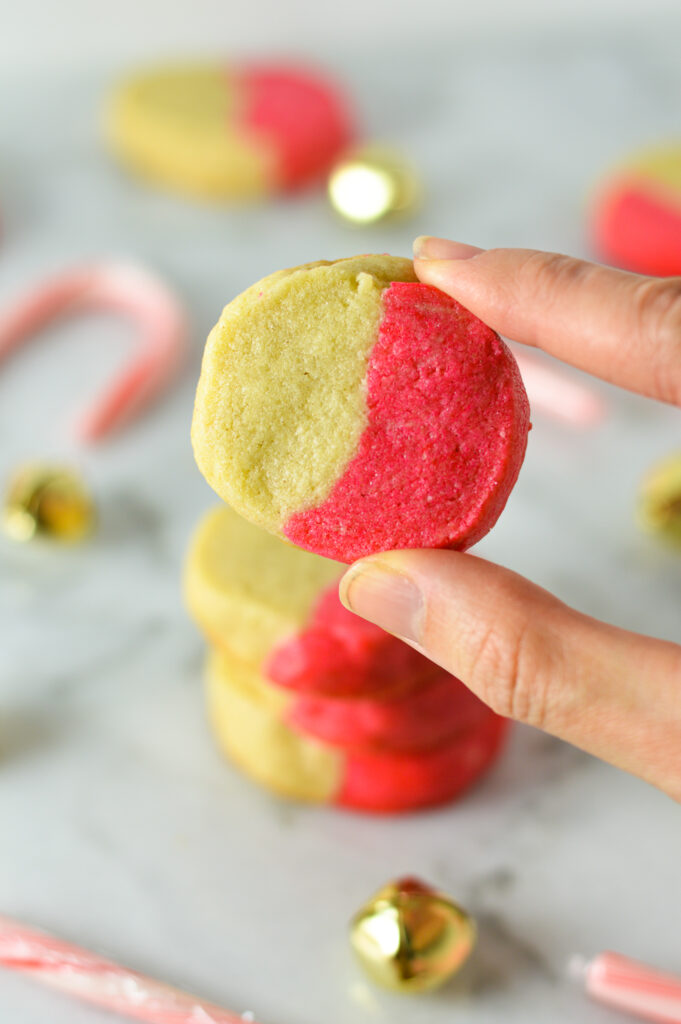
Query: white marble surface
{"type": "Point", "coordinates": [129, 30]}
{"type": "Point", "coordinates": [121, 827]}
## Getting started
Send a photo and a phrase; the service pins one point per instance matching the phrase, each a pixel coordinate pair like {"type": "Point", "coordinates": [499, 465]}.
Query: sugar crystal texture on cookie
{"type": "Point", "coordinates": [351, 409]}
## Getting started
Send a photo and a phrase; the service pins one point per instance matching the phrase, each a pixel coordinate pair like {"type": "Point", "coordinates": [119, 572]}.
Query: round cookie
{"type": "Point", "coordinates": [220, 131]}
{"type": "Point", "coordinates": [247, 590]}
{"type": "Point", "coordinates": [351, 409]}
{"type": "Point", "coordinates": [635, 215]}
{"type": "Point", "coordinates": [248, 718]}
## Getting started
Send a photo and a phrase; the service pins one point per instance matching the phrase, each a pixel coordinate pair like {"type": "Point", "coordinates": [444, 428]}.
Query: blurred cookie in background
{"type": "Point", "coordinates": [635, 215]}
{"type": "Point", "coordinates": [221, 131]}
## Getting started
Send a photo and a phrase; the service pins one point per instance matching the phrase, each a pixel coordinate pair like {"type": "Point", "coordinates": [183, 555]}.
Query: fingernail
{"type": "Point", "coordinates": [428, 248]}
{"type": "Point", "coordinates": [387, 598]}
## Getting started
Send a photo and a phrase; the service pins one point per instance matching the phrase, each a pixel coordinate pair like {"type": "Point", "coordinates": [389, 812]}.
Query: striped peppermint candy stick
{"type": "Point", "coordinates": [88, 976]}
{"type": "Point", "coordinates": [630, 986]}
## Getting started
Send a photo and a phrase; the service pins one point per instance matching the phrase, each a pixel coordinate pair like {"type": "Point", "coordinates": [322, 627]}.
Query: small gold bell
{"type": "Point", "coordinates": [48, 501]}
{"type": "Point", "coordinates": [410, 937]}
{"type": "Point", "coordinates": [659, 506]}
{"type": "Point", "coordinates": [373, 183]}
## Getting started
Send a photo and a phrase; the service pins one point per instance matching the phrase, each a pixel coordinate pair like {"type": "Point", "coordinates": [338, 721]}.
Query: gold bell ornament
{"type": "Point", "coordinates": [659, 505]}
{"type": "Point", "coordinates": [373, 183]}
{"type": "Point", "coordinates": [48, 501]}
{"type": "Point", "coordinates": [410, 937]}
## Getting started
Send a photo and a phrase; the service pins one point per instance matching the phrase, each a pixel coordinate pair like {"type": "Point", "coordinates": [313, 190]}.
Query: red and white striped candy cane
{"type": "Point", "coordinates": [88, 976]}
{"type": "Point", "coordinates": [630, 986]}
{"type": "Point", "coordinates": [109, 287]}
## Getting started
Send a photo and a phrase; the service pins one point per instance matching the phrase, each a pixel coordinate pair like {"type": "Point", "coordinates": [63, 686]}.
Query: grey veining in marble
{"type": "Point", "coordinates": [122, 829]}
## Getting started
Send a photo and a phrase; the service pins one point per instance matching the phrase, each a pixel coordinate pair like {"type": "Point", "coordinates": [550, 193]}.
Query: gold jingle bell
{"type": "Point", "coordinates": [410, 937]}
{"type": "Point", "coordinates": [48, 501]}
{"type": "Point", "coordinates": [373, 183]}
{"type": "Point", "coordinates": [659, 506]}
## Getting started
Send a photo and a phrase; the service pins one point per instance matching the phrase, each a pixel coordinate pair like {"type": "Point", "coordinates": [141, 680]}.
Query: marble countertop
{"type": "Point", "coordinates": [122, 829]}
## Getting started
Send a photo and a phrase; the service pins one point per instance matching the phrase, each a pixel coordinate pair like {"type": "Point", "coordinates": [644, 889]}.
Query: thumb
{"type": "Point", "coordinates": [530, 657]}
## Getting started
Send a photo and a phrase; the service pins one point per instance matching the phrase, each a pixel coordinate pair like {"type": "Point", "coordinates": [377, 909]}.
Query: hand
{"type": "Point", "coordinates": [521, 650]}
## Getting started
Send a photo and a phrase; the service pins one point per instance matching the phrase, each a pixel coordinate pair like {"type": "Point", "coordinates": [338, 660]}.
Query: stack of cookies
{"type": "Point", "coordinates": [348, 409]}
{"type": "Point", "coordinates": [312, 701]}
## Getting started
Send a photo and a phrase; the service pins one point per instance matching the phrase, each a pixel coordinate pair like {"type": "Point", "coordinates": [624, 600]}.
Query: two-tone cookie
{"type": "Point", "coordinates": [350, 409]}
{"type": "Point", "coordinates": [224, 131]}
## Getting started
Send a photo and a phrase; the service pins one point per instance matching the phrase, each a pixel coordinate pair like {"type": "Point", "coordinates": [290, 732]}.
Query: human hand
{"type": "Point", "coordinates": [529, 656]}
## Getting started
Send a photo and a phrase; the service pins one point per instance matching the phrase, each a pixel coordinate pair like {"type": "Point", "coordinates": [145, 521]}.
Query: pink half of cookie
{"type": "Point", "coordinates": [390, 783]}
{"type": "Point", "coordinates": [638, 229]}
{"type": "Point", "coordinates": [446, 432]}
{"type": "Point", "coordinates": [340, 655]}
{"type": "Point", "coordinates": [431, 712]}
{"type": "Point", "coordinates": [303, 117]}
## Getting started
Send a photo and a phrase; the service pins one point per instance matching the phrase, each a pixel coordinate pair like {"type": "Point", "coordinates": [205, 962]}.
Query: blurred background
{"type": "Point", "coordinates": [124, 830]}
{"type": "Point", "coordinates": [77, 32]}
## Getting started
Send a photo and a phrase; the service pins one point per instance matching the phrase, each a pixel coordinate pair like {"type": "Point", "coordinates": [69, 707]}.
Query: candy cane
{"type": "Point", "coordinates": [160, 322]}
{"type": "Point", "coordinates": [96, 980]}
{"type": "Point", "coordinates": [630, 986]}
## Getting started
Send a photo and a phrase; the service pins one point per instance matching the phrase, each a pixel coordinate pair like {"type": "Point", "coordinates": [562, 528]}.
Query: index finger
{"type": "Point", "coordinates": [621, 327]}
